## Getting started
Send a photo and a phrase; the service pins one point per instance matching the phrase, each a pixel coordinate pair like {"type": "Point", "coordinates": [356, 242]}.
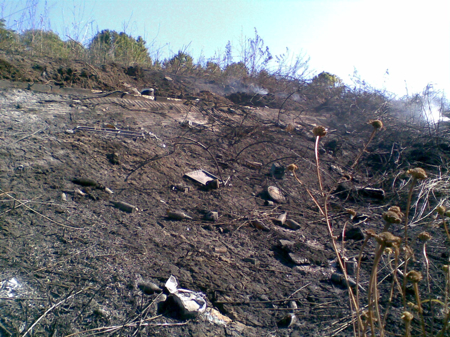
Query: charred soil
{"type": "Point", "coordinates": [72, 260]}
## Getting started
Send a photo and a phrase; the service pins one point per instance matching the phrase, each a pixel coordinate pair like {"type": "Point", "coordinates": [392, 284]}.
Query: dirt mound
{"type": "Point", "coordinates": [87, 183]}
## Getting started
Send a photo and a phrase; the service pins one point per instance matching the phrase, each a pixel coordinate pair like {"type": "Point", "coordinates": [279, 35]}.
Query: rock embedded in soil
{"type": "Point", "coordinates": [275, 194]}
{"type": "Point", "coordinates": [212, 216]}
{"type": "Point", "coordinates": [297, 259]}
{"type": "Point", "coordinates": [260, 225]}
{"type": "Point", "coordinates": [281, 219]}
{"type": "Point", "coordinates": [292, 224]}
{"type": "Point", "coordinates": [149, 288]}
{"type": "Point", "coordinates": [287, 245]}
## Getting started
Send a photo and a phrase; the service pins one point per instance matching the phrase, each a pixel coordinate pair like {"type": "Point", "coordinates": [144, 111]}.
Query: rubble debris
{"type": "Point", "coordinates": [375, 193]}
{"type": "Point", "coordinates": [79, 192]}
{"type": "Point", "coordinates": [215, 317]}
{"type": "Point", "coordinates": [180, 187]}
{"type": "Point", "coordinates": [292, 224]}
{"type": "Point", "coordinates": [177, 215]}
{"type": "Point", "coordinates": [107, 190]}
{"type": "Point", "coordinates": [150, 93]}
{"type": "Point", "coordinates": [253, 165]}
{"type": "Point", "coordinates": [277, 171]}
{"type": "Point", "coordinates": [297, 259]}
{"type": "Point", "coordinates": [149, 288]}
{"type": "Point", "coordinates": [268, 203]}
{"type": "Point", "coordinates": [286, 245]}
{"type": "Point", "coordinates": [212, 216]}
{"type": "Point", "coordinates": [113, 158]}
{"type": "Point", "coordinates": [201, 176]}
{"type": "Point", "coordinates": [350, 266]}
{"type": "Point", "coordinates": [213, 184]}
{"type": "Point", "coordinates": [260, 225]}
{"type": "Point", "coordinates": [86, 182]}
{"type": "Point", "coordinates": [287, 321]}
{"type": "Point", "coordinates": [220, 250]}
{"type": "Point", "coordinates": [123, 206]}
{"type": "Point", "coordinates": [339, 279]}
{"type": "Point", "coordinates": [346, 188]}
{"type": "Point", "coordinates": [182, 302]}
{"type": "Point", "coordinates": [281, 219]}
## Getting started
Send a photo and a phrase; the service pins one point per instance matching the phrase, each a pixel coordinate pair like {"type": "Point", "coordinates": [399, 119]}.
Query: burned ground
{"type": "Point", "coordinates": [79, 260]}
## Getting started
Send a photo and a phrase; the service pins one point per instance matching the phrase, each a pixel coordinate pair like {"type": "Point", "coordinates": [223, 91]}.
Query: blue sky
{"type": "Point", "coordinates": [391, 43]}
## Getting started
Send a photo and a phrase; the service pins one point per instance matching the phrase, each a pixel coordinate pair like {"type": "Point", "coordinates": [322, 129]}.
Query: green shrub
{"type": "Point", "coordinates": [108, 45]}
{"type": "Point", "coordinates": [8, 39]}
{"type": "Point", "coordinates": [180, 63]}
{"type": "Point", "coordinates": [44, 43]}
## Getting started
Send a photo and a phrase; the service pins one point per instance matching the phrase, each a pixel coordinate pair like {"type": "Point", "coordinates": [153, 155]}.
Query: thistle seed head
{"type": "Point", "coordinates": [441, 210]}
{"type": "Point", "coordinates": [388, 251]}
{"type": "Point", "coordinates": [397, 210]}
{"type": "Point", "coordinates": [388, 240]}
{"type": "Point", "coordinates": [319, 131]}
{"type": "Point", "coordinates": [417, 173]}
{"type": "Point", "coordinates": [292, 167]}
{"type": "Point", "coordinates": [407, 316]}
{"type": "Point", "coordinates": [376, 123]}
{"type": "Point", "coordinates": [413, 306]}
{"type": "Point", "coordinates": [424, 236]}
{"type": "Point", "coordinates": [414, 276]}
{"type": "Point", "coordinates": [392, 217]}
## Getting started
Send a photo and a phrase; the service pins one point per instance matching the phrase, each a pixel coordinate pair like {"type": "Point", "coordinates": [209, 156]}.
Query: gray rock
{"type": "Point", "coordinates": [275, 194]}
{"type": "Point", "coordinates": [212, 216]}
{"type": "Point", "coordinates": [297, 259]}
{"type": "Point", "coordinates": [281, 219]}
{"type": "Point", "coordinates": [292, 224]}
{"type": "Point", "coordinates": [149, 288]}
{"type": "Point", "coordinates": [286, 245]}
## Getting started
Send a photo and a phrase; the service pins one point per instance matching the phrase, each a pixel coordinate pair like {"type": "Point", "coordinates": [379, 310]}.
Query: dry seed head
{"type": "Point", "coordinates": [388, 239]}
{"type": "Point", "coordinates": [319, 131]}
{"type": "Point", "coordinates": [407, 316]}
{"type": "Point", "coordinates": [424, 236]}
{"type": "Point", "coordinates": [392, 217]}
{"type": "Point", "coordinates": [413, 306]}
{"type": "Point", "coordinates": [441, 210]}
{"type": "Point", "coordinates": [417, 173]}
{"type": "Point", "coordinates": [397, 210]}
{"type": "Point", "coordinates": [388, 251]}
{"type": "Point", "coordinates": [292, 167]}
{"type": "Point", "coordinates": [414, 276]}
{"type": "Point", "coordinates": [408, 252]}
{"type": "Point", "coordinates": [350, 211]}
{"type": "Point", "coordinates": [377, 124]}
{"type": "Point", "coordinates": [371, 233]}
{"type": "Point", "coordinates": [445, 268]}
